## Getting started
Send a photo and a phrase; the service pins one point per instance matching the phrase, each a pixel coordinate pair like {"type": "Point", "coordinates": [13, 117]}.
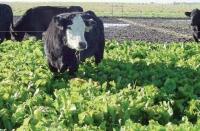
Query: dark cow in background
{"type": "Point", "coordinates": [72, 37]}
{"type": "Point", "coordinates": [36, 20]}
{"type": "Point", "coordinates": [195, 23]}
{"type": "Point", "coordinates": [6, 20]}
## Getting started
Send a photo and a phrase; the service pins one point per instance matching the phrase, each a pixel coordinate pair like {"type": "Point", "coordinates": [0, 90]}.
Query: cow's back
{"type": "Point", "coordinates": [6, 15]}
{"type": "Point", "coordinates": [38, 18]}
{"type": "Point", "coordinates": [6, 20]}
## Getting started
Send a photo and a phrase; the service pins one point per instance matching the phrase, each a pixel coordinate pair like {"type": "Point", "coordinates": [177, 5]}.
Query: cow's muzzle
{"type": "Point", "coordinates": [82, 45]}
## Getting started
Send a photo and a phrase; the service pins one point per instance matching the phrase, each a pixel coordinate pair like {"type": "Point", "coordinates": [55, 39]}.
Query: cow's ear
{"type": "Point", "coordinates": [90, 23]}
{"type": "Point", "coordinates": [59, 22]}
{"type": "Point", "coordinates": [188, 14]}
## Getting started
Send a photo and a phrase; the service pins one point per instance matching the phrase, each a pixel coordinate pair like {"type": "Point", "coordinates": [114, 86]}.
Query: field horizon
{"type": "Point", "coordinates": [116, 9]}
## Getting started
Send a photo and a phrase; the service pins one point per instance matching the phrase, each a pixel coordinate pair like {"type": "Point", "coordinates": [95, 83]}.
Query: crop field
{"type": "Point", "coordinates": [149, 78]}
{"type": "Point", "coordinates": [117, 9]}
{"type": "Point", "coordinates": [138, 86]}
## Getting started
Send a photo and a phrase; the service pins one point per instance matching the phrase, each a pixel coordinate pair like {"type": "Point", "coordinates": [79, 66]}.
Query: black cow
{"type": "Point", "coordinates": [36, 20]}
{"type": "Point", "coordinates": [195, 23]}
{"type": "Point", "coordinates": [72, 37]}
{"type": "Point", "coordinates": [6, 20]}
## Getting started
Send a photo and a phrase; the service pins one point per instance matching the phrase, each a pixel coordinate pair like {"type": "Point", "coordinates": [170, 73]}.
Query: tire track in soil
{"type": "Point", "coordinates": [158, 29]}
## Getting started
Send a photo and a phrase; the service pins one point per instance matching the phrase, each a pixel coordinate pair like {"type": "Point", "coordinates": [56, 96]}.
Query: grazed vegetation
{"type": "Point", "coordinates": [139, 85]}
{"type": "Point", "coordinates": [117, 9]}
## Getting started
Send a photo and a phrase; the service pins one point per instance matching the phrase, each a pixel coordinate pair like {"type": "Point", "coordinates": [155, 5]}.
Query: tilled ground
{"type": "Point", "coordinates": [147, 29]}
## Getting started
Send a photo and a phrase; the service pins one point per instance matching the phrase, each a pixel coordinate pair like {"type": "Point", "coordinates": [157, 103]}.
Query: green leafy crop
{"type": "Point", "coordinates": [137, 86]}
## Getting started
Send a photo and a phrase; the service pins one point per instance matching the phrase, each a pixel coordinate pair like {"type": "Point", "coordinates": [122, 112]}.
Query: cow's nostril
{"type": "Point", "coordinates": [82, 45]}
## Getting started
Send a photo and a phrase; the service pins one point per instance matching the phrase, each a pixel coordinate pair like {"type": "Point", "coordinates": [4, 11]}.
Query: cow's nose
{"type": "Point", "coordinates": [82, 45]}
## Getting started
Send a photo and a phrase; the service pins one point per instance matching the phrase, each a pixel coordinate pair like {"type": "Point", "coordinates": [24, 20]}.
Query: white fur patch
{"type": "Point", "coordinates": [75, 35]}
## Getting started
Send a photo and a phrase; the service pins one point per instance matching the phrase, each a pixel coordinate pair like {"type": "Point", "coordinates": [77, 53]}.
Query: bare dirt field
{"type": "Point", "coordinates": [148, 29]}
{"type": "Point", "coordinates": [163, 30]}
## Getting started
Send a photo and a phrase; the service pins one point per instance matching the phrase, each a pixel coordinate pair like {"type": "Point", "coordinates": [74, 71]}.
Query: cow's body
{"type": "Point", "coordinates": [6, 20]}
{"type": "Point", "coordinates": [36, 20]}
{"type": "Point", "coordinates": [195, 23]}
{"type": "Point", "coordinates": [64, 49]}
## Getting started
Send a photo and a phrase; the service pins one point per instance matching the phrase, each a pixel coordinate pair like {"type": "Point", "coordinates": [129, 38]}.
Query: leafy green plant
{"type": "Point", "coordinates": [137, 86]}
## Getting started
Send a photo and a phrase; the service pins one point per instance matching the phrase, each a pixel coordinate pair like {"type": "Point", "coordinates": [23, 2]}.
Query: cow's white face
{"type": "Point", "coordinates": [75, 34]}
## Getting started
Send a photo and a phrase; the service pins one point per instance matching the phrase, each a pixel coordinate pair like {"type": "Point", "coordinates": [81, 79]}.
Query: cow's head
{"type": "Point", "coordinates": [17, 34]}
{"type": "Point", "coordinates": [195, 21]}
{"type": "Point", "coordinates": [74, 27]}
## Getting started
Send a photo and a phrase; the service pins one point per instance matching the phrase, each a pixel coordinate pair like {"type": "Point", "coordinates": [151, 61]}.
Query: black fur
{"type": "Point", "coordinates": [6, 20]}
{"type": "Point", "coordinates": [36, 20]}
{"type": "Point", "coordinates": [195, 23]}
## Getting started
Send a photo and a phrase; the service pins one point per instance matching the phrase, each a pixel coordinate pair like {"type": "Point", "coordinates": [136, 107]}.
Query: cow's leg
{"type": "Point", "coordinates": [63, 68]}
{"type": "Point", "coordinates": [38, 36]}
{"type": "Point", "coordinates": [98, 58]}
{"type": "Point", "coordinates": [2, 37]}
{"type": "Point", "coordinates": [20, 36]}
{"type": "Point", "coordinates": [52, 68]}
{"type": "Point", "coordinates": [1, 40]}
{"type": "Point", "coordinates": [99, 53]}
{"type": "Point", "coordinates": [195, 38]}
{"type": "Point", "coordinates": [73, 69]}
{"type": "Point", "coordinates": [8, 36]}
